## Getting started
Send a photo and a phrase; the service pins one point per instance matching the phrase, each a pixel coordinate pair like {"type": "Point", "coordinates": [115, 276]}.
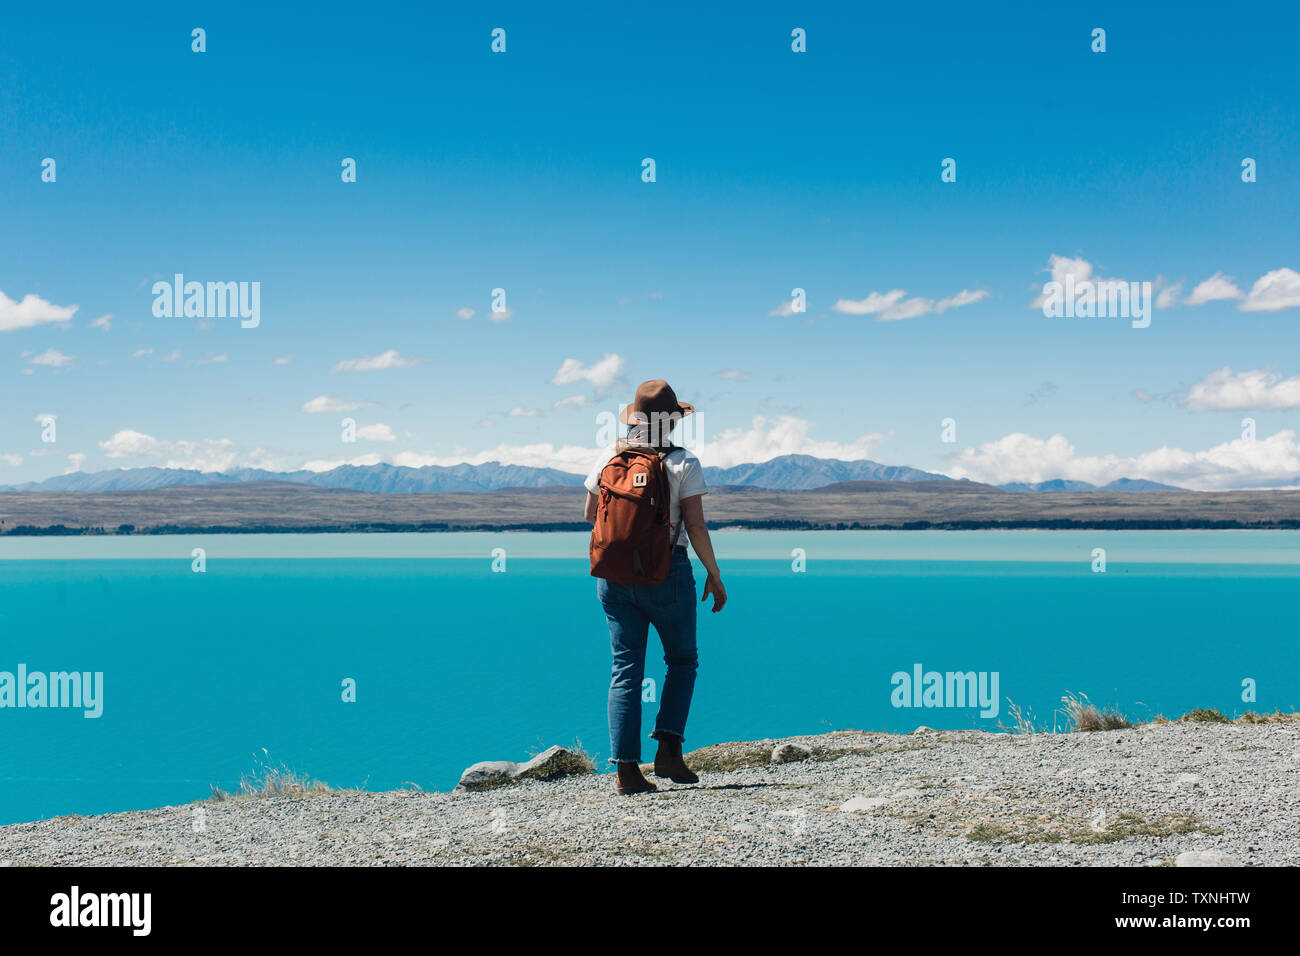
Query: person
{"type": "Point", "coordinates": [670, 605]}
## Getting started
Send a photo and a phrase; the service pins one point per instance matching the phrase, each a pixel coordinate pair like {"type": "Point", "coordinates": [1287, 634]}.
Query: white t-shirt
{"type": "Point", "coordinates": [685, 480]}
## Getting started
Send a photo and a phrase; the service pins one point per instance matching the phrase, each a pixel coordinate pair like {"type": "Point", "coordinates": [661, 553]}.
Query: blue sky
{"type": "Point", "coordinates": [774, 170]}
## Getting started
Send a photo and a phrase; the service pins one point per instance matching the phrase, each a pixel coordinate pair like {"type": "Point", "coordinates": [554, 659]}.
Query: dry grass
{"type": "Point", "coordinates": [1022, 721]}
{"type": "Point", "coordinates": [1060, 830]}
{"type": "Point", "coordinates": [1078, 714]}
{"type": "Point", "coordinates": [1082, 716]}
{"type": "Point", "coordinates": [267, 780]}
{"type": "Point", "coordinates": [1277, 717]}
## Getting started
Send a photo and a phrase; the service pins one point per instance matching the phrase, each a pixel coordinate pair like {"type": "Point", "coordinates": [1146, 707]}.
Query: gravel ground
{"type": "Point", "coordinates": [1140, 796]}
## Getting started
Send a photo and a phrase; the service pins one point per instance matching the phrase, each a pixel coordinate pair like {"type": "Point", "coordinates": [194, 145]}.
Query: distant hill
{"type": "Point", "coordinates": [783, 473]}
{"type": "Point", "coordinates": [395, 479]}
{"type": "Point", "coordinates": [383, 479]}
{"type": "Point", "coordinates": [1138, 484]}
{"type": "Point", "coordinates": [946, 487]}
{"type": "Point", "coordinates": [1065, 484]}
{"type": "Point", "coordinates": [282, 507]}
{"type": "Point", "coordinates": [786, 473]}
{"type": "Point", "coordinates": [798, 472]}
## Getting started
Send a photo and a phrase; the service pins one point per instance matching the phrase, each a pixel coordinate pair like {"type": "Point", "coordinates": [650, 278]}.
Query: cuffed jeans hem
{"type": "Point", "coordinates": [617, 760]}
{"type": "Point", "coordinates": [659, 734]}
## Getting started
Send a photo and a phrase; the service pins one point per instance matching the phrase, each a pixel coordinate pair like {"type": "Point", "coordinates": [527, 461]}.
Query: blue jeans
{"type": "Point", "coordinates": [630, 610]}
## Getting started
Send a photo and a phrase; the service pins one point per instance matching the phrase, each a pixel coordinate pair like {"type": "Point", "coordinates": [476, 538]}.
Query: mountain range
{"type": "Point", "coordinates": [1065, 484]}
{"type": "Point", "coordinates": [783, 473]}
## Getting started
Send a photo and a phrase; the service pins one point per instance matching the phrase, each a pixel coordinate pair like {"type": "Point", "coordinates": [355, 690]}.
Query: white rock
{"type": "Point", "coordinates": [863, 804]}
{"type": "Point", "coordinates": [789, 753]}
{"type": "Point", "coordinates": [553, 762]}
{"type": "Point", "coordinates": [487, 774]}
{"type": "Point", "coordinates": [1205, 858]}
{"type": "Point", "coordinates": [547, 765]}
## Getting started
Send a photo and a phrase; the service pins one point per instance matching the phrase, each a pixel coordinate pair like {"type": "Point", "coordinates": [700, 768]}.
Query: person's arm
{"type": "Point", "coordinates": [698, 531]}
{"type": "Point", "coordinates": [589, 512]}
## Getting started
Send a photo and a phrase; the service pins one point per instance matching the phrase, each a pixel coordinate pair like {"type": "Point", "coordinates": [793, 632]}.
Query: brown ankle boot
{"type": "Point", "coordinates": [630, 780]}
{"type": "Point", "coordinates": [669, 762]}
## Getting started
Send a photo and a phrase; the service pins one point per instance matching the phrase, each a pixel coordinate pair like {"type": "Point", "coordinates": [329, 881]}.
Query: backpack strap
{"type": "Point", "coordinates": [681, 525]}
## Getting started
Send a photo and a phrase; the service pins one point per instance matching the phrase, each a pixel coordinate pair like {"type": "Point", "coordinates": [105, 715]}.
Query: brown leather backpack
{"type": "Point", "coordinates": [632, 540]}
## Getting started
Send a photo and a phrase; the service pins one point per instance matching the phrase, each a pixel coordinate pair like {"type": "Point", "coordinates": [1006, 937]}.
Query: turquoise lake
{"type": "Point", "coordinates": [208, 675]}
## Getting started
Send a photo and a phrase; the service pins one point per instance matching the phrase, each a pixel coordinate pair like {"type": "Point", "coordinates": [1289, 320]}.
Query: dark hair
{"type": "Point", "coordinates": [644, 433]}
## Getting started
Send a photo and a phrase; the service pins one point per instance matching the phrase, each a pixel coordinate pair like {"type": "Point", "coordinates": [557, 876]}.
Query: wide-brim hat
{"type": "Point", "coordinates": [655, 397]}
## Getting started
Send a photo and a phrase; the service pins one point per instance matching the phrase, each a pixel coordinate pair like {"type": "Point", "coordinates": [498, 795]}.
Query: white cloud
{"type": "Point", "coordinates": [104, 322]}
{"type": "Point", "coordinates": [211, 454]}
{"type": "Point", "coordinates": [501, 316]}
{"type": "Point", "coordinates": [129, 444]}
{"type": "Point", "coordinates": [261, 458]}
{"type": "Point", "coordinates": [1216, 288]}
{"type": "Point", "coordinates": [12, 461]}
{"type": "Point", "coordinates": [1079, 272]}
{"type": "Point", "coordinates": [75, 461]}
{"type": "Point", "coordinates": [892, 306]}
{"type": "Point", "coordinates": [573, 401]}
{"type": "Point", "coordinates": [173, 356]}
{"type": "Point", "coordinates": [760, 441]}
{"type": "Point", "coordinates": [282, 360]}
{"type": "Point", "coordinates": [210, 359]}
{"type": "Point", "coordinates": [1279, 289]}
{"type": "Point", "coordinates": [32, 310]}
{"type": "Point", "coordinates": [520, 412]}
{"type": "Point", "coordinates": [964, 297]}
{"type": "Point", "coordinates": [784, 310]}
{"type": "Point", "coordinates": [40, 419]}
{"type": "Point", "coordinates": [765, 438]}
{"type": "Point", "coordinates": [377, 432]}
{"type": "Point", "coordinates": [1259, 389]}
{"type": "Point", "coordinates": [51, 358]}
{"type": "Point", "coordinates": [465, 313]}
{"type": "Point", "coordinates": [372, 363]}
{"type": "Point", "coordinates": [733, 375]}
{"type": "Point", "coordinates": [141, 353]}
{"type": "Point", "coordinates": [907, 309]}
{"type": "Point", "coordinates": [876, 302]}
{"type": "Point", "coordinates": [1271, 462]}
{"type": "Point", "coordinates": [329, 403]}
{"type": "Point", "coordinates": [601, 374]}
{"type": "Point", "coordinates": [1167, 297]}
{"type": "Point", "coordinates": [575, 459]}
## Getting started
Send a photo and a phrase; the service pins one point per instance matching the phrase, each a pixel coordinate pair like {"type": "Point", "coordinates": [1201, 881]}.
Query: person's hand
{"type": "Point", "coordinates": [713, 585]}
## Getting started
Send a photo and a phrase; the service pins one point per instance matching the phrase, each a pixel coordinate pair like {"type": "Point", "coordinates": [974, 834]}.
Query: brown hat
{"type": "Point", "coordinates": [653, 397]}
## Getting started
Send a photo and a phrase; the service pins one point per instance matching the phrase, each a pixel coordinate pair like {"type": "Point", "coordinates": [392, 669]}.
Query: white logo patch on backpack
{"type": "Point", "coordinates": [638, 479]}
